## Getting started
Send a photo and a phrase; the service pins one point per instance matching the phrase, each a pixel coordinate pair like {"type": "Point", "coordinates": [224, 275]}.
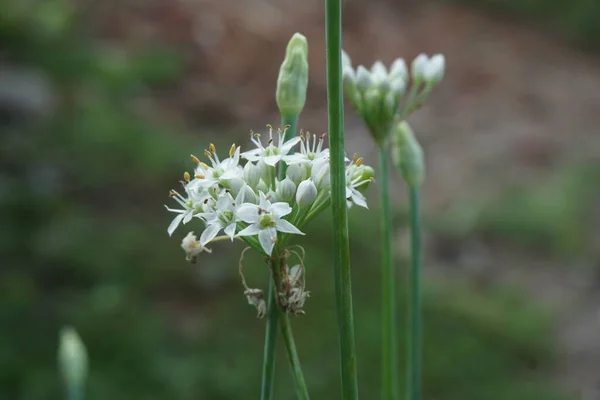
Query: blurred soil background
{"type": "Point", "coordinates": [101, 104]}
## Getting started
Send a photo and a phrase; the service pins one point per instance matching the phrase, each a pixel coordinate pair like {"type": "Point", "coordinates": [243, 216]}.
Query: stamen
{"type": "Point", "coordinates": [232, 150]}
{"type": "Point", "coordinates": [269, 127]}
{"type": "Point", "coordinates": [202, 165]}
{"type": "Point", "coordinates": [195, 159]}
{"type": "Point", "coordinates": [186, 176]}
{"type": "Point", "coordinates": [199, 176]}
{"type": "Point", "coordinates": [285, 128]}
{"type": "Point", "coordinates": [172, 193]}
{"type": "Point", "coordinates": [354, 158]}
{"type": "Point", "coordinates": [212, 149]}
{"type": "Point", "coordinates": [270, 141]}
{"type": "Point", "coordinates": [359, 162]}
{"type": "Point", "coordinates": [207, 153]}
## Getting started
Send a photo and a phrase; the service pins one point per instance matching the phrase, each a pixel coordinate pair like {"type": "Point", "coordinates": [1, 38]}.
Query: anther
{"type": "Point", "coordinates": [232, 150]}
{"type": "Point", "coordinates": [359, 162]}
{"type": "Point", "coordinates": [212, 149]}
{"type": "Point", "coordinates": [172, 193]}
{"type": "Point", "coordinates": [186, 176]}
{"type": "Point", "coordinates": [203, 165]}
{"type": "Point", "coordinates": [199, 176]}
{"type": "Point", "coordinates": [207, 153]}
{"type": "Point", "coordinates": [195, 159]}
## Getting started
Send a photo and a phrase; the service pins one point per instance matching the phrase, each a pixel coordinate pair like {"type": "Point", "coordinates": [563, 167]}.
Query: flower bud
{"type": "Point", "coordinates": [399, 70]}
{"type": "Point", "coordinates": [320, 175]}
{"type": "Point", "coordinates": [235, 185]}
{"type": "Point", "coordinates": [407, 155]}
{"type": "Point", "coordinates": [418, 67]}
{"type": "Point", "coordinates": [286, 190]}
{"type": "Point", "coordinates": [72, 360]}
{"type": "Point", "coordinates": [262, 186]}
{"type": "Point", "coordinates": [249, 195]}
{"type": "Point", "coordinates": [363, 79]}
{"type": "Point", "coordinates": [398, 87]}
{"type": "Point", "coordinates": [293, 77]}
{"type": "Point", "coordinates": [265, 170]}
{"type": "Point", "coordinates": [252, 174]}
{"type": "Point", "coordinates": [296, 173]}
{"type": "Point", "coordinates": [378, 72]}
{"type": "Point", "coordinates": [390, 107]}
{"type": "Point", "coordinates": [306, 194]}
{"type": "Point", "coordinates": [434, 70]}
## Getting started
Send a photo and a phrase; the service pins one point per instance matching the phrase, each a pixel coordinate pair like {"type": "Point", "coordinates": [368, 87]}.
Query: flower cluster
{"type": "Point", "coordinates": [250, 202]}
{"type": "Point", "coordinates": [382, 97]}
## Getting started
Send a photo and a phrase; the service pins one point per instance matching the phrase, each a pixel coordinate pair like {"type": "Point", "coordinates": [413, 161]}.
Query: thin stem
{"type": "Point", "coordinates": [389, 349]}
{"type": "Point", "coordinates": [292, 121]}
{"type": "Point", "coordinates": [268, 374]}
{"type": "Point", "coordinates": [413, 387]}
{"type": "Point", "coordinates": [288, 339]}
{"type": "Point", "coordinates": [341, 265]}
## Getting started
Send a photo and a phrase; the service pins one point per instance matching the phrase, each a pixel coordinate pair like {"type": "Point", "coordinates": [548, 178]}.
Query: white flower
{"type": "Point", "coordinates": [220, 171]}
{"type": "Point", "coordinates": [266, 220]}
{"type": "Point", "coordinates": [192, 247]}
{"type": "Point", "coordinates": [309, 152]}
{"type": "Point", "coordinates": [354, 179]}
{"type": "Point", "coordinates": [191, 206]}
{"type": "Point", "coordinates": [224, 216]}
{"type": "Point", "coordinates": [320, 174]}
{"type": "Point", "coordinates": [270, 154]}
{"type": "Point", "coordinates": [418, 65]}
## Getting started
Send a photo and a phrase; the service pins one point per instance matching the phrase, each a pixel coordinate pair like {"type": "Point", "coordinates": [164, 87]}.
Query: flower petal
{"type": "Point", "coordinates": [250, 230]}
{"type": "Point", "coordinates": [209, 233]}
{"type": "Point", "coordinates": [287, 146]}
{"type": "Point", "coordinates": [188, 217]}
{"type": "Point", "coordinates": [267, 238]}
{"type": "Point", "coordinates": [174, 224]}
{"type": "Point", "coordinates": [249, 213]}
{"type": "Point", "coordinates": [230, 230]}
{"type": "Point", "coordinates": [280, 209]}
{"type": "Point", "coordinates": [271, 160]}
{"type": "Point", "coordinates": [286, 226]}
{"type": "Point", "coordinates": [359, 199]}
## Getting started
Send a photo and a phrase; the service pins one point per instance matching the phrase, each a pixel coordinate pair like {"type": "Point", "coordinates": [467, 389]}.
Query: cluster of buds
{"type": "Point", "coordinates": [384, 97]}
{"type": "Point", "coordinates": [249, 202]}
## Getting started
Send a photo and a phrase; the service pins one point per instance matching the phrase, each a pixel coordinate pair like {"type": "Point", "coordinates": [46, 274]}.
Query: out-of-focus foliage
{"type": "Point", "coordinates": [83, 241]}
{"type": "Point", "coordinates": [578, 20]}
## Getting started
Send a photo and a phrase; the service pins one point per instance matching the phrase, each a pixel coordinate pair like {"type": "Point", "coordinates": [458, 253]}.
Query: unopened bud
{"type": "Point", "coordinates": [296, 173]}
{"type": "Point", "coordinates": [346, 61]}
{"type": "Point", "coordinates": [434, 70]}
{"type": "Point", "coordinates": [418, 67]}
{"type": "Point", "coordinates": [262, 186]}
{"type": "Point", "coordinates": [407, 155]}
{"type": "Point", "coordinates": [286, 190]}
{"type": "Point", "coordinates": [72, 360]}
{"type": "Point", "coordinates": [306, 194]}
{"type": "Point", "coordinates": [363, 79]}
{"type": "Point", "coordinates": [293, 77]}
{"type": "Point", "coordinates": [320, 175]}
{"type": "Point", "coordinates": [251, 174]}
{"type": "Point", "coordinates": [378, 72]}
{"type": "Point", "coordinates": [398, 69]}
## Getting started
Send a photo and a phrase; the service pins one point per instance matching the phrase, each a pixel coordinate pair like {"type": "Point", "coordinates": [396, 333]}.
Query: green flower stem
{"type": "Point", "coordinates": [268, 374]}
{"type": "Point", "coordinates": [389, 349]}
{"type": "Point", "coordinates": [75, 393]}
{"type": "Point", "coordinates": [341, 265]}
{"type": "Point", "coordinates": [413, 387]}
{"type": "Point", "coordinates": [286, 331]}
{"type": "Point", "coordinates": [292, 121]}
{"type": "Point", "coordinates": [288, 339]}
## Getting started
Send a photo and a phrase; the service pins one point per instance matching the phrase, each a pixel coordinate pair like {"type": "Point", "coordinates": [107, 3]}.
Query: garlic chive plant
{"type": "Point", "coordinates": [263, 196]}
{"type": "Point", "coordinates": [384, 98]}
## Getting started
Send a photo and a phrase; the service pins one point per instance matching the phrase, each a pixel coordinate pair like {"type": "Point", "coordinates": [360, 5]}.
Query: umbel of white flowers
{"type": "Point", "coordinates": [382, 97]}
{"type": "Point", "coordinates": [249, 202]}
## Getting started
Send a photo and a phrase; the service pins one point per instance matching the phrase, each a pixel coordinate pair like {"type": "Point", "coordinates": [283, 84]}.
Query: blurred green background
{"type": "Point", "coordinates": [102, 102]}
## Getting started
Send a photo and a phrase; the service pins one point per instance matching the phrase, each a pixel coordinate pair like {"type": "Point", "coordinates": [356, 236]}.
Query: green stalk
{"type": "Point", "coordinates": [341, 265]}
{"type": "Point", "coordinates": [292, 121]}
{"type": "Point", "coordinates": [288, 338]}
{"type": "Point", "coordinates": [413, 387]}
{"type": "Point", "coordinates": [268, 373]}
{"type": "Point", "coordinates": [389, 349]}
